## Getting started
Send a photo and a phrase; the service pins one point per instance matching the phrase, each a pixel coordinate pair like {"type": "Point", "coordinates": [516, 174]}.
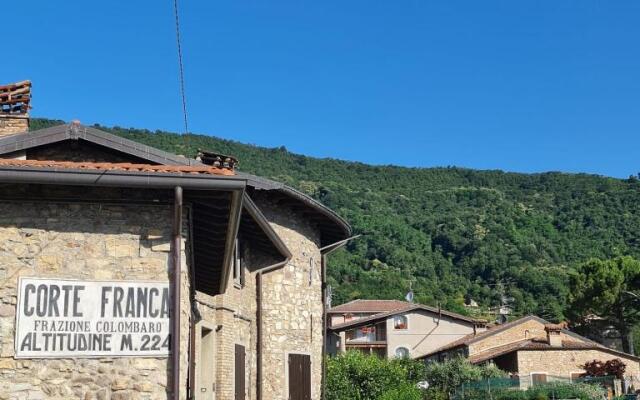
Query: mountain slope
{"type": "Point", "coordinates": [455, 233]}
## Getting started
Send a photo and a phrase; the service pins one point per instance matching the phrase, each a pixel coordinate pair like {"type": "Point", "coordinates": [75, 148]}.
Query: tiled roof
{"type": "Point", "coordinates": [368, 306]}
{"type": "Point", "coordinates": [528, 345]}
{"type": "Point", "coordinates": [470, 338]}
{"type": "Point", "coordinates": [128, 167]}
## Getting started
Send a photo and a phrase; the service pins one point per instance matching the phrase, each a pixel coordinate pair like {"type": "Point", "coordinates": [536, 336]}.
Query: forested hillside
{"type": "Point", "coordinates": [456, 233]}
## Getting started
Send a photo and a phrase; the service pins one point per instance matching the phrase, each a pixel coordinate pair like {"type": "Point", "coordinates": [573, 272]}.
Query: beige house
{"type": "Point", "coordinates": [534, 349]}
{"type": "Point", "coordinates": [130, 273]}
{"type": "Point", "coordinates": [391, 328]}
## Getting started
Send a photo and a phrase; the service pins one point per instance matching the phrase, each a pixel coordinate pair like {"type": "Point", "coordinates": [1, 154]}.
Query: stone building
{"type": "Point", "coordinates": [130, 273]}
{"type": "Point", "coordinates": [393, 328]}
{"type": "Point", "coordinates": [534, 350]}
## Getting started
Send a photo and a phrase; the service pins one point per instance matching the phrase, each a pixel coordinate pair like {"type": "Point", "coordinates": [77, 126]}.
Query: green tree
{"type": "Point", "coordinates": [609, 289]}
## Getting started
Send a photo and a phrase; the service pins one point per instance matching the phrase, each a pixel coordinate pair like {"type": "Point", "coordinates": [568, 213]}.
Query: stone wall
{"type": "Point", "coordinates": [10, 124]}
{"type": "Point", "coordinates": [525, 330]}
{"type": "Point", "coordinates": [564, 362]}
{"type": "Point", "coordinates": [292, 303]}
{"type": "Point", "coordinates": [292, 311]}
{"type": "Point", "coordinates": [113, 242]}
{"type": "Point", "coordinates": [90, 242]}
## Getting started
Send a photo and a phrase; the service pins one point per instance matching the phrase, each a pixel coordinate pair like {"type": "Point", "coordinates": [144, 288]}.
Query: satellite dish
{"type": "Point", "coordinates": [409, 296]}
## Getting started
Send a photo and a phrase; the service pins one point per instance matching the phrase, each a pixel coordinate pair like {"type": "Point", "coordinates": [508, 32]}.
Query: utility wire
{"type": "Point", "coordinates": [182, 91]}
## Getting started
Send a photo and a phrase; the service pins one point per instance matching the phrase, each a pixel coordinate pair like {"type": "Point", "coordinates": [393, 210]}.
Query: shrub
{"type": "Point", "coordinates": [613, 367]}
{"type": "Point", "coordinates": [580, 391]}
{"type": "Point", "coordinates": [361, 377]}
{"type": "Point", "coordinates": [447, 376]}
{"type": "Point", "coordinates": [407, 391]}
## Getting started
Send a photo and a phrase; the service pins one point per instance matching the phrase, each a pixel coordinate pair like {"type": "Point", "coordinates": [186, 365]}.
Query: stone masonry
{"type": "Point", "coordinates": [292, 312]}
{"type": "Point", "coordinates": [565, 362]}
{"type": "Point", "coordinates": [91, 242]}
{"type": "Point", "coordinates": [10, 124]}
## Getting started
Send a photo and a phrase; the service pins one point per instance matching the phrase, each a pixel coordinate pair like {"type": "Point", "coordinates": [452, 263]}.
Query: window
{"type": "Point", "coordinates": [402, 352]}
{"type": "Point", "coordinates": [577, 376]}
{"type": "Point", "coordinates": [238, 277]}
{"type": "Point", "coordinates": [400, 322]}
{"type": "Point", "coordinates": [538, 378]}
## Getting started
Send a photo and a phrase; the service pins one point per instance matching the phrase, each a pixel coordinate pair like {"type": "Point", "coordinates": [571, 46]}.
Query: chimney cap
{"type": "Point", "coordinates": [555, 327]}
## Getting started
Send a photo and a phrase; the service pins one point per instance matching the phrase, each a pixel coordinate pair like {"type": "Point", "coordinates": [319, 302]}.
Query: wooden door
{"type": "Point", "coordinates": [240, 385]}
{"type": "Point", "coordinates": [299, 377]}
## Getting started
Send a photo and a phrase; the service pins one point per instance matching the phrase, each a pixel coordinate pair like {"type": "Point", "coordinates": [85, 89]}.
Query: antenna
{"type": "Point", "coordinates": [181, 75]}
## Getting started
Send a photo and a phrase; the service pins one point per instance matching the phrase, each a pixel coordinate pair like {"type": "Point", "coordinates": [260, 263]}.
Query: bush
{"type": "Point", "coordinates": [407, 391]}
{"type": "Point", "coordinates": [580, 391]}
{"type": "Point", "coordinates": [355, 376]}
{"type": "Point", "coordinates": [447, 376]}
{"type": "Point", "coordinates": [613, 367]}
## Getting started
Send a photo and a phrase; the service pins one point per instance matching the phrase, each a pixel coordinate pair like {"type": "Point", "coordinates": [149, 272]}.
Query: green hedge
{"type": "Point", "coordinates": [548, 391]}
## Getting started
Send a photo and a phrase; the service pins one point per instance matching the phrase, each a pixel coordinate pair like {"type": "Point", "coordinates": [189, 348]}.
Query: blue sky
{"type": "Point", "coordinates": [516, 85]}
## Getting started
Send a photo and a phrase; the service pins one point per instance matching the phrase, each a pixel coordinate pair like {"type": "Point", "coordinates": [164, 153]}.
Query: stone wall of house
{"type": "Point", "coordinates": [564, 362]}
{"type": "Point", "coordinates": [10, 124]}
{"type": "Point", "coordinates": [85, 242]}
{"type": "Point", "coordinates": [292, 302]}
{"type": "Point", "coordinates": [292, 311]}
{"type": "Point", "coordinates": [235, 312]}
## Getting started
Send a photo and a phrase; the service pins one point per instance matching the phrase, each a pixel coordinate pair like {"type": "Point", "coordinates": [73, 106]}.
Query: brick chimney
{"type": "Point", "coordinates": [14, 108]}
{"type": "Point", "coordinates": [554, 333]}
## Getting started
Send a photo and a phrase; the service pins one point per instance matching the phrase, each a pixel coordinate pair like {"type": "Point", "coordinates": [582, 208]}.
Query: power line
{"type": "Point", "coordinates": [182, 91]}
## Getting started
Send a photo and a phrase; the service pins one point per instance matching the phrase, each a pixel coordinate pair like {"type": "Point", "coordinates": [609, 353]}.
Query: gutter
{"type": "Point", "coordinates": [177, 274]}
{"type": "Point", "coordinates": [117, 178]}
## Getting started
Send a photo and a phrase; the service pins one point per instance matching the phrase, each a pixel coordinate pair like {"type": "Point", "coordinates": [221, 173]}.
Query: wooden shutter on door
{"type": "Point", "coordinates": [299, 377]}
{"type": "Point", "coordinates": [240, 373]}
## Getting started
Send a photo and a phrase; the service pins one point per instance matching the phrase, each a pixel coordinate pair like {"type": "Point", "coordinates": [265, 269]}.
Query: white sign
{"type": "Point", "coordinates": [57, 318]}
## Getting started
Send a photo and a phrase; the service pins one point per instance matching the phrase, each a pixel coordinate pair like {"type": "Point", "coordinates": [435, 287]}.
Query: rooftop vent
{"type": "Point", "coordinates": [217, 160]}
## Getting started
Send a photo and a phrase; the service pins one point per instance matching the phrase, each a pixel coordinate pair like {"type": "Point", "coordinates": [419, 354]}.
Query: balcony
{"type": "Point", "coordinates": [368, 335]}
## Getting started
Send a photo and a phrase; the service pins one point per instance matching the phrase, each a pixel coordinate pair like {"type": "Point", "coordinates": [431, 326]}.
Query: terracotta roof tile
{"type": "Point", "coordinates": [369, 306]}
{"type": "Point", "coordinates": [466, 340]}
{"type": "Point", "coordinates": [128, 167]}
{"type": "Point", "coordinates": [529, 344]}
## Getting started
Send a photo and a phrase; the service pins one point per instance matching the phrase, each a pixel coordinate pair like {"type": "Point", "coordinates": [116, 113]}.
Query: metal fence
{"type": "Point", "coordinates": [496, 387]}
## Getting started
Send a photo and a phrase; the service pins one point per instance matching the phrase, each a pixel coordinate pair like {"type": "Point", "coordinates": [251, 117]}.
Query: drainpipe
{"type": "Point", "coordinates": [268, 269]}
{"type": "Point", "coordinates": [175, 325]}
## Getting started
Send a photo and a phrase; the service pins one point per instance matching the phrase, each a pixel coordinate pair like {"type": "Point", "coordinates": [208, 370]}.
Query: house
{"type": "Point", "coordinates": [534, 349]}
{"type": "Point", "coordinates": [131, 273]}
{"type": "Point", "coordinates": [392, 328]}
